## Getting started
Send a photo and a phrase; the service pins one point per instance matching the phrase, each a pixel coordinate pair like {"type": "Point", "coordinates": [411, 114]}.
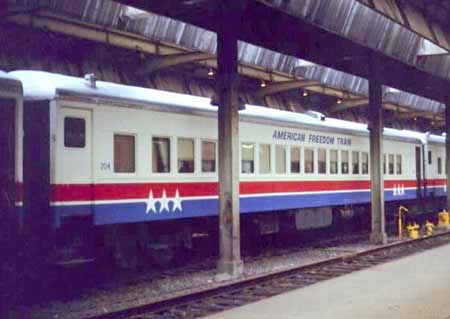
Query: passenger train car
{"type": "Point", "coordinates": [140, 165]}
{"type": "Point", "coordinates": [10, 153]}
{"type": "Point", "coordinates": [10, 166]}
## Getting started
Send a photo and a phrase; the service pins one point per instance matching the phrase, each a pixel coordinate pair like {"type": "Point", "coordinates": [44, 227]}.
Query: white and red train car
{"type": "Point", "coordinates": [110, 154]}
{"type": "Point", "coordinates": [10, 153]}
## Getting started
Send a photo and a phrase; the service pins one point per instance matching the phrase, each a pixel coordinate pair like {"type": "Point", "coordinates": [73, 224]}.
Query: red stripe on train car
{"type": "Point", "coordinates": [87, 192]}
{"type": "Point", "coordinates": [436, 182]}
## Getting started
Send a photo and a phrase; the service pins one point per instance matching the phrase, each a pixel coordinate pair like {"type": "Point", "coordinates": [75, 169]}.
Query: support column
{"type": "Point", "coordinates": [378, 234]}
{"type": "Point", "coordinates": [447, 151]}
{"type": "Point", "coordinates": [228, 122]}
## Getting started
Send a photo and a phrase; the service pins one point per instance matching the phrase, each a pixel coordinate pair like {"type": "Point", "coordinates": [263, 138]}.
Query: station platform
{"type": "Point", "coordinates": [414, 287]}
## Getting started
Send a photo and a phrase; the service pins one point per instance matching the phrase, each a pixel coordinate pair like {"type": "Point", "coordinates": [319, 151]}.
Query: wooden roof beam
{"type": "Point", "coordinates": [348, 104]}
{"type": "Point", "coordinates": [278, 87]}
{"type": "Point", "coordinates": [410, 115]}
{"type": "Point", "coordinates": [167, 61]}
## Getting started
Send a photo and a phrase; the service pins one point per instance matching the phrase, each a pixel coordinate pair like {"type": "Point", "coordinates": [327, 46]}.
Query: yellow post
{"type": "Point", "coordinates": [429, 227]}
{"type": "Point", "coordinates": [413, 231]}
{"type": "Point", "coordinates": [444, 220]}
{"type": "Point", "coordinates": [401, 209]}
{"type": "Point", "coordinates": [416, 231]}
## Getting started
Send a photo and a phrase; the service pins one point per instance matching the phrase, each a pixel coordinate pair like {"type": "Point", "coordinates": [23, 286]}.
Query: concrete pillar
{"type": "Point", "coordinates": [447, 151]}
{"type": "Point", "coordinates": [378, 234]}
{"type": "Point", "coordinates": [228, 117]}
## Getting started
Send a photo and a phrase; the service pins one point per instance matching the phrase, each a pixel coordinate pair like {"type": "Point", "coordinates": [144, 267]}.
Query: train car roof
{"type": "Point", "coordinates": [437, 139]}
{"type": "Point", "coordinates": [8, 77]}
{"type": "Point", "coordinates": [10, 83]}
{"type": "Point", "coordinates": [40, 85]}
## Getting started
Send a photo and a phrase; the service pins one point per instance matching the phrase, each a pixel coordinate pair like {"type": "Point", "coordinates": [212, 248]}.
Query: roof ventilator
{"type": "Point", "coordinates": [316, 115]}
{"type": "Point", "coordinates": [91, 79]}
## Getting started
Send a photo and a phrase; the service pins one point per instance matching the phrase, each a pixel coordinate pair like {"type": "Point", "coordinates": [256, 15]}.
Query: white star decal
{"type": "Point", "coordinates": [177, 202]}
{"type": "Point", "coordinates": [164, 202]}
{"type": "Point", "coordinates": [150, 203]}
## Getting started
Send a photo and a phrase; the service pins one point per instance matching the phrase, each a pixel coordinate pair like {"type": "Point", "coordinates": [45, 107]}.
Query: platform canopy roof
{"type": "Point", "coordinates": [329, 41]}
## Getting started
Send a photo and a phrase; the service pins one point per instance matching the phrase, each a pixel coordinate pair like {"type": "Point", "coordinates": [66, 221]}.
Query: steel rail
{"type": "Point", "coordinates": [314, 270]}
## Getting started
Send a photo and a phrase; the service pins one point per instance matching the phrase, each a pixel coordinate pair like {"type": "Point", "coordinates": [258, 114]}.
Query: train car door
{"type": "Point", "coordinates": [7, 159]}
{"type": "Point", "coordinates": [74, 156]}
{"type": "Point", "coordinates": [419, 180]}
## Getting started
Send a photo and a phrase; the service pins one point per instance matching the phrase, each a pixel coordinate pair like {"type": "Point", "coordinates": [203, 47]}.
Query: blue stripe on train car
{"type": "Point", "coordinates": [437, 191]}
{"type": "Point", "coordinates": [115, 213]}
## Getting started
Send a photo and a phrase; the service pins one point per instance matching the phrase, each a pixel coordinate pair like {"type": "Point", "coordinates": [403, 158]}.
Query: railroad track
{"type": "Point", "coordinates": [209, 301]}
{"type": "Point", "coordinates": [209, 263]}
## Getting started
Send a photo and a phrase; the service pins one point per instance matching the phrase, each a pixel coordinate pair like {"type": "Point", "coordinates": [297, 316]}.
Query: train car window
{"type": "Point", "coordinates": [185, 155]}
{"type": "Point", "coordinates": [208, 157]}
{"type": "Point", "coordinates": [364, 163]}
{"type": "Point", "coordinates": [161, 155]}
{"type": "Point", "coordinates": [384, 164]}
{"type": "Point", "coordinates": [391, 164]}
{"type": "Point", "coordinates": [309, 160]}
{"type": "Point", "coordinates": [355, 162]}
{"type": "Point", "coordinates": [248, 158]}
{"type": "Point", "coordinates": [74, 132]}
{"type": "Point", "coordinates": [399, 164]}
{"type": "Point", "coordinates": [124, 153]}
{"type": "Point", "coordinates": [295, 159]}
{"type": "Point", "coordinates": [333, 161]}
{"type": "Point", "coordinates": [429, 158]}
{"type": "Point", "coordinates": [264, 159]}
{"type": "Point", "coordinates": [280, 159]}
{"type": "Point", "coordinates": [344, 162]}
{"type": "Point", "coordinates": [322, 156]}
{"type": "Point", "coordinates": [439, 165]}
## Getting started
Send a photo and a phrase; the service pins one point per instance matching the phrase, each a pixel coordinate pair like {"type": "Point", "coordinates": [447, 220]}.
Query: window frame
{"type": "Point", "coordinates": [276, 146]}
{"type": "Point", "coordinates": [254, 158]}
{"type": "Point", "coordinates": [368, 163]}
{"type": "Point", "coordinates": [326, 161]}
{"type": "Point", "coordinates": [439, 165]}
{"type": "Point", "coordinates": [270, 158]}
{"type": "Point", "coordinates": [397, 156]}
{"type": "Point", "coordinates": [216, 155]}
{"type": "Point", "coordinates": [135, 136]}
{"type": "Point", "coordinates": [194, 168]}
{"type": "Point", "coordinates": [358, 153]}
{"type": "Point", "coordinates": [299, 162]}
{"type": "Point", "coordinates": [342, 162]}
{"type": "Point", "coordinates": [312, 149]}
{"type": "Point", "coordinates": [171, 157]}
{"type": "Point", "coordinates": [337, 161]}
{"type": "Point", "coordinates": [66, 117]}
{"type": "Point", "coordinates": [390, 155]}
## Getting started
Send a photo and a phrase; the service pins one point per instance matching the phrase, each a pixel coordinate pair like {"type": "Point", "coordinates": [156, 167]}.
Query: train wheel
{"type": "Point", "coordinates": [162, 257]}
